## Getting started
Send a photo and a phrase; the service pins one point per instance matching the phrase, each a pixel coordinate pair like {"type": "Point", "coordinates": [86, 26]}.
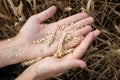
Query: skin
{"type": "Point", "coordinates": [16, 51]}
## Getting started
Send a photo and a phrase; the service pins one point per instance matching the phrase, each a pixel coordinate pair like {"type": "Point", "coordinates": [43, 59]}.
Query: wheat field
{"type": "Point", "coordinates": [102, 57]}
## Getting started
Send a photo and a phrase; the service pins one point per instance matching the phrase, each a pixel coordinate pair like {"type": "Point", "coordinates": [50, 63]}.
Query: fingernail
{"type": "Point", "coordinates": [86, 26]}
{"type": "Point", "coordinates": [83, 65]}
{"type": "Point", "coordinates": [97, 32]}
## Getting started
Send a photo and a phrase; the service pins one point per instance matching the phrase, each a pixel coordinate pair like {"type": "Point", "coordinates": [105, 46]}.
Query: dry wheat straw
{"type": "Point", "coordinates": [49, 38]}
{"type": "Point", "coordinates": [89, 4]}
{"type": "Point", "coordinates": [30, 62]}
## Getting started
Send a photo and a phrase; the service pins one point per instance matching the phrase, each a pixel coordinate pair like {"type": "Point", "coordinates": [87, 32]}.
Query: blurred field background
{"type": "Point", "coordinates": [103, 56]}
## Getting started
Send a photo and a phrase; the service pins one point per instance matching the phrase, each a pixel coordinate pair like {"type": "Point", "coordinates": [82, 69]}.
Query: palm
{"type": "Point", "coordinates": [34, 33]}
{"type": "Point", "coordinates": [35, 30]}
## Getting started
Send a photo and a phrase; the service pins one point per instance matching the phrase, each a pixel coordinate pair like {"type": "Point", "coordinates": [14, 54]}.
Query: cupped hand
{"type": "Point", "coordinates": [34, 35]}
{"type": "Point", "coordinates": [51, 67]}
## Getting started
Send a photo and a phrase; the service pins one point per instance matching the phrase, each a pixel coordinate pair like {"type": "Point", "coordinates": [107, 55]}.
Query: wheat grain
{"type": "Point", "coordinates": [49, 38]}
{"type": "Point", "coordinates": [19, 49]}
{"type": "Point", "coordinates": [89, 4]}
{"type": "Point", "coordinates": [27, 45]}
{"type": "Point", "coordinates": [30, 62]}
{"type": "Point", "coordinates": [9, 40]}
{"type": "Point", "coordinates": [60, 50]}
{"type": "Point", "coordinates": [62, 27]}
{"type": "Point", "coordinates": [68, 9]}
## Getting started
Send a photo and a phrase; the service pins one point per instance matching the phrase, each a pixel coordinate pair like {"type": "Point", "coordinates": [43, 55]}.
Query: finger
{"type": "Point", "coordinates": [72, 19]}
{"type": "Point", "coordinates": [77, 37]}
{"type": "Point", "coordinates": [83, 31]}
{"type": "Point", "coordinates": [81, 49]}
{"type": "Point", "coordinates": [57, 67]}
{"type": "Point", "coordinates": [73, 43]}
{"type": "Point", "coordinates": [69, 64]}
{"type": "Point", "coordinates": [45, 14]}
{"type": "Point", "coordinates": [84, 22]}
{"type": "Point", "coordinates": [80, 24]}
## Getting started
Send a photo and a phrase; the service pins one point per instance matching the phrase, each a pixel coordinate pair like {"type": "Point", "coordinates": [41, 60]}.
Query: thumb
{"type": "Point", "coordinates": [69, 64]}
{"type": "Point", "coordinates": [46, 14]}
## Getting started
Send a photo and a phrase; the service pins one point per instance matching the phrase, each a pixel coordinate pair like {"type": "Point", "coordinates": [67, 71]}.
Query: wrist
{"type": "Point", "coordinates": [17, 46]}
{"type": "Point", "coordinates": [31, 74]}
{"type": "Point", "coordinates": [28, 74]}
{"type": "Point", "coordinates": [20, 47]}
{"type": "Point", "coordinates": [10, 51]}
{"type": "Point", "coordinates": [16, 51]}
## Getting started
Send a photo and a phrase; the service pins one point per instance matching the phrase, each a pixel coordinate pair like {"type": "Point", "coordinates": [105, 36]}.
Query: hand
{"type": "Point", "coordinates": [35, 30]}
{"type": "Point", "coordinates": [51, 67]}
